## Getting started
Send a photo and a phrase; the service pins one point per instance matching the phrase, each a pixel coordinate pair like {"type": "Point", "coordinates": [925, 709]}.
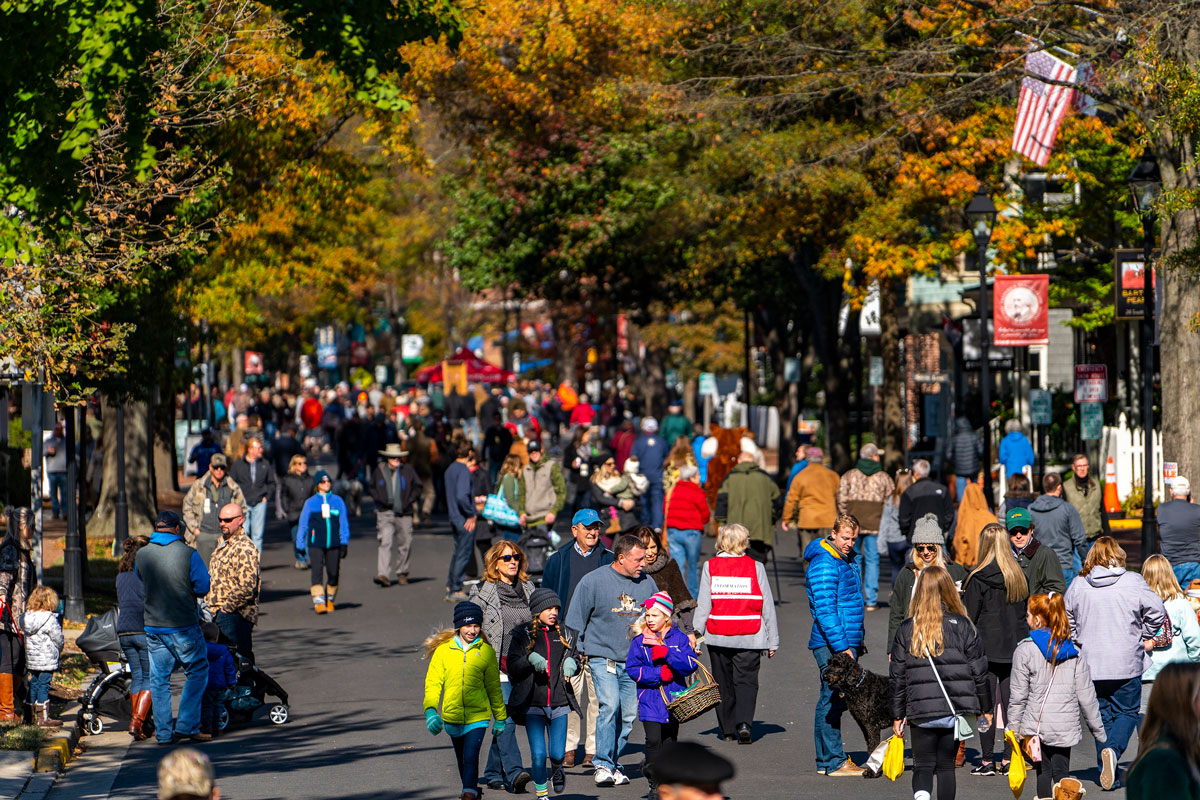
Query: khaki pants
{"type": "Point", "coordinates": [585, 695]}
{"type": "Point", "coordinates": [428, 498]}
{"type": "Point", "coordinates": [807, 536]}
{"type": "Point", "coordinates": [394, 534]}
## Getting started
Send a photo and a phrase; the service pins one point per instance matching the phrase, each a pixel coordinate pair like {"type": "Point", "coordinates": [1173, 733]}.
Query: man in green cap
{"type": "Point", "coordinates": [1039, 563]}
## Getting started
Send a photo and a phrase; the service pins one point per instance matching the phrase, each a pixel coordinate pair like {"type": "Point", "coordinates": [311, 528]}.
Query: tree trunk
{"type": "Point", "coordinates": [564, 343]}
{"type": "Point", "coordinates": [1179, 341]}
{"type": "Point", "coordinates": [237, 362]}
{"type": "Point", "coordinates": [893, 377]}
{"type": "Point", "coordinates": [839, 365]}
{"type": "Point", "coordinates": [166, 475]}
{"type": "Point", "coordinates": [138, 491]}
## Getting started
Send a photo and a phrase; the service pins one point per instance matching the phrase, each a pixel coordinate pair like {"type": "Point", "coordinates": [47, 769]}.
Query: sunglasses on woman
{"type": "Point", "coordinates": [510, 557]}
{"type": "Point", "coordinates": [926, 548]}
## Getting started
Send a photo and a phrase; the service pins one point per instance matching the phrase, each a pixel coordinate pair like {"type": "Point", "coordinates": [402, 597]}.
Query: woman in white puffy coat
{"type": "Point", "coordinates": [1049, 685]}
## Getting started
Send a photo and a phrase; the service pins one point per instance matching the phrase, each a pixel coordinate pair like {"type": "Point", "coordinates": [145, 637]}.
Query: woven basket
{"type": "Point", "coordinates": [696, 699]}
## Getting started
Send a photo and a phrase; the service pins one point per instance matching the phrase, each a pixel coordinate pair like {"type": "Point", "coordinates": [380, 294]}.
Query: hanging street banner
{"type": "Point", "coordinates": [1129, 283]}
{"type": "Point", "coordinates": [1021, 313]}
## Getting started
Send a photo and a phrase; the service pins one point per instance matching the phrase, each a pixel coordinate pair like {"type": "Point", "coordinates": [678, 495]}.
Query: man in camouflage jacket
{"type": "Point", "coordinates": [207, 495]}
{"type": "Point", "coordinates": [862, 492]}
{"type": "Point", "coordinates": [234, 571]}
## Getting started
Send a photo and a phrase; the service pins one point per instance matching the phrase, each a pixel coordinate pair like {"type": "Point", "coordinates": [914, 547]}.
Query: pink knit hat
{"type": "Point", "coordinates": [661, 599]}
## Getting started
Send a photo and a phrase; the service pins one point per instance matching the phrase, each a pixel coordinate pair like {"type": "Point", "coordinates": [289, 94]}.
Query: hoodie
{"type": "Point", "coordinates": [965, 453]}
{"type": "Point", "coordinates": [1057, 525]}
{"type": "Point", "coordinates": [1112, 612]}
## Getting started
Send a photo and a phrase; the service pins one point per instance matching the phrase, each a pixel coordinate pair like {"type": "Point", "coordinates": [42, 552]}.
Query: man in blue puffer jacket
{"type": "Point", "coordinates": [836, 603]}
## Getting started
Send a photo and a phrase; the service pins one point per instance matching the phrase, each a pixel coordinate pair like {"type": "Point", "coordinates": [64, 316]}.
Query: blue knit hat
{"type": "Point", "coordinates": [467, 613]}
{"type": "Point", "coordinates": [321, 476]}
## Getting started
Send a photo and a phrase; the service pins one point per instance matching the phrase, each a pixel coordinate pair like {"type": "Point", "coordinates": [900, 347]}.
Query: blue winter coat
{"type": "Point", "coordinates": [320, 532]}
{"type": "Point", "coordinates": [648, 675]}
{"type": "Point", "coordinates": [835, 598]}
{"type": "Point", "coordinates": [1016, 453]}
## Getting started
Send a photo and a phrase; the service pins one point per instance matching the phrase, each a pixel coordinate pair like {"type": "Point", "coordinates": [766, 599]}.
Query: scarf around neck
{"type": "Point", "coordinates": [868, 466]}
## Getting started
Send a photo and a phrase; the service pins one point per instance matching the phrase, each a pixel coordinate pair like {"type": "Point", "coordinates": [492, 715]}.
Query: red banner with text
{"type": "Point", "coordinates": [1020, 315]}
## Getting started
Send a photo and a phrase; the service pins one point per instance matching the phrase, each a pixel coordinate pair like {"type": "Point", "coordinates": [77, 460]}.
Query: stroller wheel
{"type": "Point", "coordinates": [279, 714]}
{"type": "Point", "coordinates": [95, 726]}
{"type": "Point", "coordinates": [223, 717]}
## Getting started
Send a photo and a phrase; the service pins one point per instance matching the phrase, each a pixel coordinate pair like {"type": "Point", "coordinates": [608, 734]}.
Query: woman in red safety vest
{"type": "Point", "coordinates": [736, 613]}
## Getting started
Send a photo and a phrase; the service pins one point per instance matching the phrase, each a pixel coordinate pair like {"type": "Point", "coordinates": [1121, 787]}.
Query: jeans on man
{"type": "Point", "coordinates": [1186, 572]}
{"type": "Point", "coordinates": [185, 649]}
{"type": "Point", "coordinates": [58, 493]}
{"type": "Point", "coordinates": [1120, 701]}
{"type": "Point", "coordinates": [869, 548]}
{"type": "Point", "coordinates": [256, 523]}
{"type": "Point", "coordinates": [238, 630]}
{"type": "Point", "coordinates": [827, 720]}
{"type": "Point", "coordinates": [504, 756]}
{"type": "Point", "coordinates": [684, 545]}
{"type": "Point", "coordinates": [617, 694]}
{"type": "Point", "coordinates": [463, 540]}
{"type": "Point", "coordinates": [960, 483]}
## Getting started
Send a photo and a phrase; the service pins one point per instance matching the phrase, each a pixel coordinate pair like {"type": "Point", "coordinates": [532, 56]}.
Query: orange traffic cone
{"type": "Point", "coordinates": [1112, 503]}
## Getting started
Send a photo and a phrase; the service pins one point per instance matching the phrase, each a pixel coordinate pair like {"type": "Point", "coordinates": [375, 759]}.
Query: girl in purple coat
{"type": "Point", "coordinates": [660, 660]}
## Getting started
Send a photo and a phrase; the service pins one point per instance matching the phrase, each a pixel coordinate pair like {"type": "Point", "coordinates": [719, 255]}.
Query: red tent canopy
{"type": "Point", "coordinates": [478, 370]}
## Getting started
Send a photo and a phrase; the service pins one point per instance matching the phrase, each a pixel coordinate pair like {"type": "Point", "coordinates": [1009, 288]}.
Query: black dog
{"type": "Point", "coordinates": [866, 696]}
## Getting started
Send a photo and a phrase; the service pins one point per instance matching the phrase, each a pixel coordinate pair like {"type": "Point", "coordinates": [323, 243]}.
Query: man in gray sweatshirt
{"type": "Point", "coordinates": [606, 602]}
{"type": "Point", "coordinates": [1058, 525]}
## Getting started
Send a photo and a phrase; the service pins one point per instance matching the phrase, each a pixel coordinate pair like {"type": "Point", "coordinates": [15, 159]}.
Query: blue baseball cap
{"type": "Point", "coordinates": [586, 517]}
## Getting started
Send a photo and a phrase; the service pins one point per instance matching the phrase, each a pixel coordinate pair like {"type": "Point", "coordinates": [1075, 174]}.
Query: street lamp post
{"type": "Point", "coordinates": [981, 216]}
{"type": "Point", "coordinates": [1145, 184]}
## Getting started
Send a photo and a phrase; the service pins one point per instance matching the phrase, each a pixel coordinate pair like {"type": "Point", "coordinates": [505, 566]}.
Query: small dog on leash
{"type": "Point", "coordinates": [350, 490]}
{"type": "Point", "coordinates": [866, 696]}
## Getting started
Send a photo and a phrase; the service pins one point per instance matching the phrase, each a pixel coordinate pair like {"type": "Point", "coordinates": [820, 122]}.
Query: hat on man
{"type": "Point", "coordinates": [649, 424]}
{"type": "Point", "coordinates": [868, 450]}
{"type": "Point", "coordinates": [168, 521]}
{"type": "Point", "coordinates": [814, 455]}
{"type": "Point", "coordinates": [928, 531]}
{"type": "Point", "coordinates": [1018, 518]}
{"type": "Point", "coordinates": [676, 403]}
{"type": "Point", "coordinates": [467, 613]}
{"type": "Point", "coordinates": [393, 450]}
{"type": "Point", "coordinates": [185, 772]}
{"type": "Point", "coordinates": [1181, 486]}
{"type": "Point", "coordinates": [586, 517]}
{"type": "Point", "coordinates": [534, 446]}
{"type": "Point", "coordinates": [690, 764]}
{"type": "Point", "coordinates": [543, 598]}
{"type": "Point", "coordinates": [218, 460]}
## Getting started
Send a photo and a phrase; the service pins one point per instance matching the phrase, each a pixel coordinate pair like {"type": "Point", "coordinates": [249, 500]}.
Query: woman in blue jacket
{"type": "Point", "coordinates": [660, 660]}
{"type": "Point", "coordinates": [324, 531]}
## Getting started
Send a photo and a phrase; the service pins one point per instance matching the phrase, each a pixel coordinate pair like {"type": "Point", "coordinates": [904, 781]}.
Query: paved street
{"type": "Point", "coordinates": [355, 681]}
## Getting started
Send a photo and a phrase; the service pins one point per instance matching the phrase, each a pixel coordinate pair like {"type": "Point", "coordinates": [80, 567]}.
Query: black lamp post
{"type": "Point", "coordinates": [1145, 184]}
{"type": "Point", "coordinates": [981, 216]}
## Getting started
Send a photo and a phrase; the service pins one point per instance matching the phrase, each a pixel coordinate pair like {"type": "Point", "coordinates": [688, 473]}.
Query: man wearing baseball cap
{"type": "Point", "coordinates": [1042, 571]}
{"type": "Point", "coordinates": [563, 572]}
{"type": "Point", "coordinates": [201, 506]}
{"type": "Point", "coordinates": [1179, 531]}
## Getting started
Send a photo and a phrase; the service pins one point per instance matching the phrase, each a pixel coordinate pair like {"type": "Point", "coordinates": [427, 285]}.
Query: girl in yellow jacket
{"type": "Point", "coordinates": [463, 674]}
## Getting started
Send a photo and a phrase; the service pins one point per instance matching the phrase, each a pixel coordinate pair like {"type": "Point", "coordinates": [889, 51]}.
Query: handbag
{"type": "Point", "coordinates": [963, 728]}
{"type": "Point", "coordinates": [1031, 746]}
{"type": "Point", "coordinates": [496, 509]}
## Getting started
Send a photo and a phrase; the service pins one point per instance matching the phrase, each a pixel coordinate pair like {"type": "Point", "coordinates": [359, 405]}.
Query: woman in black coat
{"type": "Point", "coordinates": [996, 594]}
{"type": "Point", "coordinates": [294, 489]}
{"type": "Point", "coordinates": [938, 635]}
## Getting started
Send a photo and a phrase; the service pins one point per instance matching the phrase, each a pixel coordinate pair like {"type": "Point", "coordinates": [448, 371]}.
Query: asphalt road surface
{"type": "Point", "coordinates": [355, 680]}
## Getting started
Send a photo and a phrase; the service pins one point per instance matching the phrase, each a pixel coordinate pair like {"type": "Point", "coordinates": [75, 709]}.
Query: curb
{"type": "Point", "coordinates": [58, 748]}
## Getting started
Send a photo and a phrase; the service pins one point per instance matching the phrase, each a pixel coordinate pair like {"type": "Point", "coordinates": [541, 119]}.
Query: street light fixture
{"type": "Point", "coordinates": [981, 216]}
{"type": "Point", "coordinates": [1145, 184]}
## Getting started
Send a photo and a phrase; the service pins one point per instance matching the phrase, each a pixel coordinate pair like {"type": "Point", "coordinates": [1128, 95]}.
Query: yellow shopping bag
{"type": "Point", "coordinates": [893, 759]}
{"type": "Point", "coordinates": [1016, 770]}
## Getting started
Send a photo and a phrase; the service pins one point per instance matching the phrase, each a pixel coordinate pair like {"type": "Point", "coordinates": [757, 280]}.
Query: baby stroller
{"type": "Point", "coordinates": [250, 692]}
{"type": "Point", "coordinates": [105, 701]}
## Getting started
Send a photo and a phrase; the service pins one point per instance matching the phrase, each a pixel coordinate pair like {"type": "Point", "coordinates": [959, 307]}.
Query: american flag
{"type": "Point", "coordinates": [1042, 106]}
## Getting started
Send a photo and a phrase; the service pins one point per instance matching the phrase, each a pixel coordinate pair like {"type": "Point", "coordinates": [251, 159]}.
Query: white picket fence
{"type": "Point", "coordinates": [1127, 446]}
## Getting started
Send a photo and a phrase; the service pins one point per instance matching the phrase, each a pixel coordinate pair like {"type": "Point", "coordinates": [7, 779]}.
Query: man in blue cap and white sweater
{"type": "Point", "coordinates": [563, 572]}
